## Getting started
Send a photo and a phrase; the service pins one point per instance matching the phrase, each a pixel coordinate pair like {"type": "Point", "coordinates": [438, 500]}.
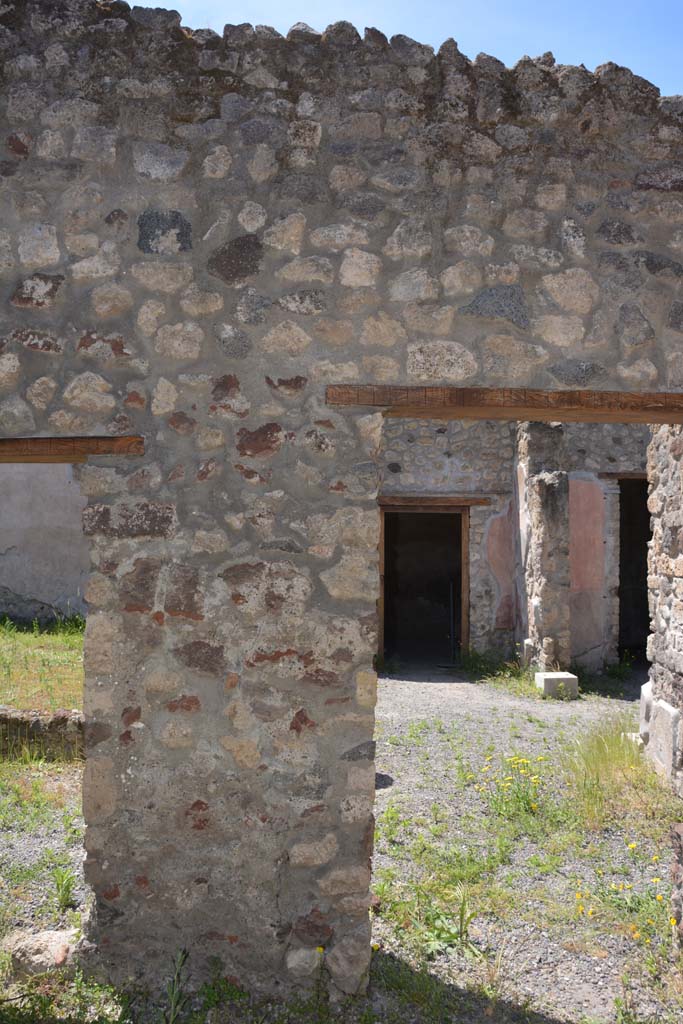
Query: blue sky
{"type": "Point", "coordinates": [645, 36]}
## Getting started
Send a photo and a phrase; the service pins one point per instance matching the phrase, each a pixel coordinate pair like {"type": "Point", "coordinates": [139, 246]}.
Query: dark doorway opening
{"type": "Point", "coordinates": [423, 584]}
{"type": "Point", "coordinates": [634, 535]}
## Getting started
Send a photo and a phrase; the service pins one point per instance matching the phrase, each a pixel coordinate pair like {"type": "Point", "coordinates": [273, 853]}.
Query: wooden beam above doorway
{"type": "Point", "coordinates": [420, 503]}
{"type": "Point", "coordinates": [67, 449]}
{"type": "Point", "coordinates": [511, 403]}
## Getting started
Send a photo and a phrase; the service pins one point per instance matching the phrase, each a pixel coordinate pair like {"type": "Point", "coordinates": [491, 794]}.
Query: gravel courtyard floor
{"type": "Point", "coordinates": [569, 922]}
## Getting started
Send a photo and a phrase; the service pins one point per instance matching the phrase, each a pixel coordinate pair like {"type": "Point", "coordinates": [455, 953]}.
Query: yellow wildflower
{"type": "Point", "coordinates": [673, 922]}
{"type": "Point", "coordinates": [659, 897]}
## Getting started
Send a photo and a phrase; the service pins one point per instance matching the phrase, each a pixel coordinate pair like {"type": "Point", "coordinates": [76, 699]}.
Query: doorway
{"type": "Point", "coordinates": [424, 584]}
{"type": "Point", "coordinates": [635, 533]}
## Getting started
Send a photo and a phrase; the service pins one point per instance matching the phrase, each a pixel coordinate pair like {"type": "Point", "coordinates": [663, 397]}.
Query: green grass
{"type": "Point", "coordinates": [536, 814]}
{"type": "Point", "coordinates": [41, 669]}
{"type": "Point", "coordinates": [37, 798]}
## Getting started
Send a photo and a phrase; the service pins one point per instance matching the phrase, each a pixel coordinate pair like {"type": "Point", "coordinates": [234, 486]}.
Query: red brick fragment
{"type": "Point", "coordinates": [251, 475]}
{"type": "Point", "coordinates": [287, 385]}
{"type": "Point", "coordinates": [131, 715]}
{"type": "Point", "coordinates": [207, 469]}
{"type": "Point", "coordinates": [184, 703]}
{"type": "Point", "coordinates": [182, 423]}
{"type": "Point", "coordinates": [260, 443]}
{"type": "Point", "coordinates": [19, 143]}
{"type": "Point", "coordinates": [301, 721]}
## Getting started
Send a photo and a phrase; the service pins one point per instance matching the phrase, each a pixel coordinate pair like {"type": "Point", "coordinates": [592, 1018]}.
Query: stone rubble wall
{"type": "Point", "coordinates": [465, 458]}
{"type": "Point", "coordinates": [568, 583]}
{"type": "Point", "coordinates": [477, 458]}
{"type": "Point", "coordinates": [198, 232]}
{"type": "Point", "coordinates": [662, 700]}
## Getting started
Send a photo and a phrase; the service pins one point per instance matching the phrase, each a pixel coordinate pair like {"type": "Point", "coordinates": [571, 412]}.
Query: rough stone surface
{"type": "Point", "coordinates": [142, 116]}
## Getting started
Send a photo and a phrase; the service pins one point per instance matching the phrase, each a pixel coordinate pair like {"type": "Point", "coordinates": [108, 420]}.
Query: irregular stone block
{"type": "Point", "coordinates": [504, 302]}
{"type": "Point", "coordinates": [665, 741]}
{"type": "Point", "coordinates": [237, 260]}
{"type": "Point", "coordinates": [164, 232]}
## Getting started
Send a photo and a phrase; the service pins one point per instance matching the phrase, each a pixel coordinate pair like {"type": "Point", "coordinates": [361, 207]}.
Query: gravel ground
{"type": "Point", "coordinates": [539, 954]}
{"type": "Point", "coordinates": [37, 834]}
{"type": "Point", "coordinates": [435, 735]}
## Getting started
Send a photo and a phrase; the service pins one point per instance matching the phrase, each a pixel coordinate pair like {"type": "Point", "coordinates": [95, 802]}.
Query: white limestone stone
{"type": "Point", "coordinates": [562, 685]}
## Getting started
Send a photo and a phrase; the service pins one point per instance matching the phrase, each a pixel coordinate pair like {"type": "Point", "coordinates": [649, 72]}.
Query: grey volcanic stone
{"type": "Point", "coordinates": [157, 229]}
{"type": "Point", "coordinates": [234, 107]}
{"type": "Point", "coordinates": [617, 232]}
{"type": "Point", "coordinates": [502, 302]}
{"type": "Point", "coordinates": [233, 342]}
{"type": "Point", "coordinates": [664, 179]}
{"type": "Point", "coordinates": [252, 307]}
{"type": "Point", "coordinates": [675, 319]}
{"type": "Point", "coordinates": [656, 264]}
{"type": "Point", "coordinates": [306, 302]}
{"type": "Point", "coordinates": [633, 328]}
{"type": "Point", "coordinates": [263, 129]}
{"type": "Point", "coordinates": [578, 373]}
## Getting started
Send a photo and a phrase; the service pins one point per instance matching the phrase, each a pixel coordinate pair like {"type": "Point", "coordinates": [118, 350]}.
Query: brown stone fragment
{"type": "Point", "coordinates": [251, 475]}
{"type": "Point", "coordinates": [313, 929]}
{"type": "Point", "coordinates": [138, 587]}
{"type": "Point", "coordinates": [182, 423]}
{"type": "Point", "coordinates": [38, 341]}
{"type": "Point", "coordinates": [207, 469]}
{"type": "Point", "coordinates": [19, 143]}
{"type": "Point", "coordinates": [184, 703]}
{"type": "Point", "coordinates": [287, 385]}
{"type": "Point", "coordinates": [143, 519]}
{"type": "Point", "coordinates": [301, 721]}
{"type": "Point", "coordinates": [183, 598]}
{"type": "Point", "coordinates": [262, 442]}
{"type": "Point", "coordinates": [203, 656]}
{"type": "Point", "coordinates": [111, 345]}
{"type": "Point", "coordinates": [131, 715]}
{"type": "Point", "coordinates": [237, 260]}
{"type": "Point", "coordinates": [37, 292]}
{"type": "Point", "coordinates": [225, 387]}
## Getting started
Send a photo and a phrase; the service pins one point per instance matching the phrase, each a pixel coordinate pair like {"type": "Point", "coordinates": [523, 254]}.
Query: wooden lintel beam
{"type": "Point", "coordinates": [511, 403]}
{"type": "Point", "coordinates": [628, 475]}
{"type": "Point", "coordinates": [417, 501]}
{"type": "Point", "coordinates": [67, 449]}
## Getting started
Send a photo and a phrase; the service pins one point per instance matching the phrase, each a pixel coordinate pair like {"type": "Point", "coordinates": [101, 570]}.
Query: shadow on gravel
{"type": "Point", "coordinates": [624, 686]}
{"type": "Point", "coordinates": [383, 781]}
{"type": "Point", "coordinates": [400, 992]}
